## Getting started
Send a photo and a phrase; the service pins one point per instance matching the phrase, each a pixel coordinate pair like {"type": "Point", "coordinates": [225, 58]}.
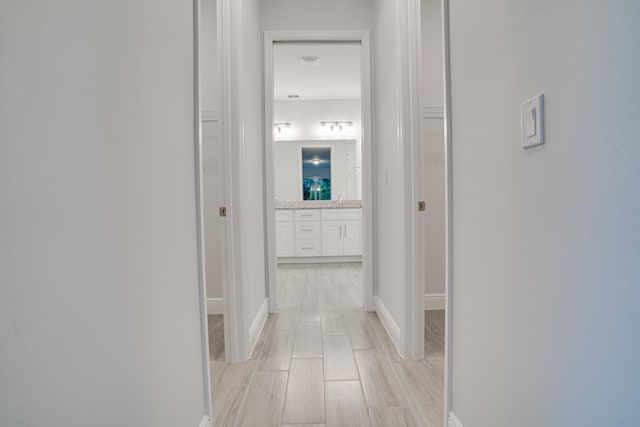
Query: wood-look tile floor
{"type": "Point", "coordinates": [322, 361]}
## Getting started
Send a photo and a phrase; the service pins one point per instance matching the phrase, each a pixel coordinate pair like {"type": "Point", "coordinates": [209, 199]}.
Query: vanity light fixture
{"type": "Point", "coordinates": [336, 128]}
{"type": "Point", "coordinates": [315, 161]}
{"type": "Point", "coordinates": [282, 129]}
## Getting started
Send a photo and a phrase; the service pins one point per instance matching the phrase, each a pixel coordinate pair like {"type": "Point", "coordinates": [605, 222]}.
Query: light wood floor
{"type": "Point", "coordinates": [322, 361]}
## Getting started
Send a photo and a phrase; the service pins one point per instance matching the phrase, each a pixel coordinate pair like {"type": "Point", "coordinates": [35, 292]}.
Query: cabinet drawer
{"type": "Point", "coordinates": [282, 215]}
{"type": "Point", "coordinates": [308, 229]}
{"type": "Point", "coordinates": [308, 247]}
{"type": "Point", "coordinates": [307, 215]}
{"type": "Point", "coordinates": [341, 214]}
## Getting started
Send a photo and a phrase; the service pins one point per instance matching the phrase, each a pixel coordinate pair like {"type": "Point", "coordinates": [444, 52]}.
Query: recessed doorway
{"type": "Point", "coordinates": [318, 159]}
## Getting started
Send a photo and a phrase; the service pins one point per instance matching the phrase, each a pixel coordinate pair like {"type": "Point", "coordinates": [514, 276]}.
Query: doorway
{"type": "Point", "coordinates": [318, 158]}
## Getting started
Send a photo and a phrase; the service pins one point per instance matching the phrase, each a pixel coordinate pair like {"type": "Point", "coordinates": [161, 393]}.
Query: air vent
{"type": "Point", "coordinates": [293, 96]}
{"type": "Point", "coordinates": [309, 61]}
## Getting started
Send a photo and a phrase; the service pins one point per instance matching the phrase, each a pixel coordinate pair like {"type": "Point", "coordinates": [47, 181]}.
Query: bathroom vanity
{"type": "Point", "coordinates": [320, 230]}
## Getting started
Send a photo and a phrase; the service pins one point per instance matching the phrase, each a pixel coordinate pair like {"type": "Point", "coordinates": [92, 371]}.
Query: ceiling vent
{"type": "Point", "coordinates": [309, 61]}
{"type": "Point", "coordinates": [293, 96]}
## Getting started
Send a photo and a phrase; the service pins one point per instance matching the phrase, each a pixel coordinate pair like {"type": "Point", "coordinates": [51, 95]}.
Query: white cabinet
{"type": "Point", "coordinates": [332, 238]}
{"type": "Point", "coordinates": [352, 238]}
{"type": "Point", "coordinates": [308, 239]}
{"type": "Point", "coordinates": [341, 232]}
{"type": "Point", "coordinates": [285, 234]}
{"type": "Point", "coordinates": [319, 232]}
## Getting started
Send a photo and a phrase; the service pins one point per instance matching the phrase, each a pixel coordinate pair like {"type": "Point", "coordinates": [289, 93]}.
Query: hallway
{"type": "Point", "coordinates": [322, 361]}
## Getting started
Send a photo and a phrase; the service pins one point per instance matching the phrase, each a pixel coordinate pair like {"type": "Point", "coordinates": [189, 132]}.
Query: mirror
{"type": "Point", "coordinates": [316, 173]}
{"type": "Point", "coordinates": [317, 117]}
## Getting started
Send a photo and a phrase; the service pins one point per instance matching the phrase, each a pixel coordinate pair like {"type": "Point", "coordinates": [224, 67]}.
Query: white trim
{"type": "Point", "coordinates": [432, 113]}
{"type": "Point", "coordinates": [199, 210]}
{"type": "Point", "coordinates": [269, 177]}
{"type": "Point", "coordinates": [258, 324]}
{"type": "Point", "coordinates": [210, 115]}
{"type": "Point", "coordinates": [453, 420]}
{"type": "Point", "coordinates": [448, 164]}
{"type": "Point", "coordinates": [206, 421]}
{"type": "Point", "coordinates": [389, 323]}
{"type": "Point", "coordinates": [318, 259]}
{"type": "Point", "coordinates": [434, 302]}
{"type": "Point", "coordinates": [367, 154]}
{"type": "Point", "coordinates": [232, 125]}
{"type": "Point", "coordinates": [215, 306]}
{"type": "Point", "coordinates": [407, 59]}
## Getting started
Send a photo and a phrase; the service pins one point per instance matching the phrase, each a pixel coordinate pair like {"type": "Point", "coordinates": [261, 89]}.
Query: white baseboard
{"type": "Point", "coordinates": [434, 302]}
{"type": "Point", "coordinates": [258, 324]}
{"type": "Point", "coordinates": [388, 322]}
{"type": "Point", "coordinates": [215, 306]}
{"type": "Point", "coordinates": [206, 422]}
{"type": "Point", "coordinates": [318, 259]}
{"type": "Point", "coordinates": [453, 420]}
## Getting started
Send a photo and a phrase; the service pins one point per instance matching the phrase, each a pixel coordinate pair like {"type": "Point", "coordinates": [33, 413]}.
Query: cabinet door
{"type": "Point", "coordinates": [331, 238]}
{"type": "Point", "coordinates": [352, 237]}
{"type": "Point", "coordinates": [286, 238]}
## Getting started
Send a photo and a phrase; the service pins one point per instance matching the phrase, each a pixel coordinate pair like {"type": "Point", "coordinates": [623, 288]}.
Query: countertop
{"type": "Point", "coordinates": [320, 204]}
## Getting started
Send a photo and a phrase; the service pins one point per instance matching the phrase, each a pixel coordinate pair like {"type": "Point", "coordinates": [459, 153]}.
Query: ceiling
{"type": "Point", "coordinates": [336, 77]}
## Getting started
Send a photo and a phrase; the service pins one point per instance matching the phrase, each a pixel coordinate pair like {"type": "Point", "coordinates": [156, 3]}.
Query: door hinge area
{"type": "Point", "coordinates": [223, 211]}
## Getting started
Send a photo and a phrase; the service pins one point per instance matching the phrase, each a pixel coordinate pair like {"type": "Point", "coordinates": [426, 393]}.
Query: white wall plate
{"type": "Point", "coordinates": [532, 122]}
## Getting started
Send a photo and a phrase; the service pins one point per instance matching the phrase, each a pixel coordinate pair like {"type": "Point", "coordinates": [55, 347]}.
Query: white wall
{"type": "Point", "coordinates": [432, 150]}
{"type": "Point", "coordinates": [431, 90]}
{"type": "Point", "coordinates": [253, 168]}
{"type": "Point", "coordinates": [546, 241]}
{"type": "Point", "coordinates": [99, 304]}
{"type": "Point", "coordinates": [389, 245]}
{"type": "Point", "coordinates": [210, 94]}
{"type": "Point", "coordinates": [305, 117]}
{"type": "Point", "coordinates": [212, 178]}
{"type": "Point", "coordinates": [317, 15]}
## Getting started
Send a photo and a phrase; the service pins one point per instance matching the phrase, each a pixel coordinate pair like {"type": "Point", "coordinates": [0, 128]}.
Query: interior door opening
{"type": "Point", "coordinates": [315, 137]}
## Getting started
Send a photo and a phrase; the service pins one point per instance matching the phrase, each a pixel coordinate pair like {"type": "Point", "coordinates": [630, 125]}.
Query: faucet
{"type": "Point", "coordinates": [340, 200]}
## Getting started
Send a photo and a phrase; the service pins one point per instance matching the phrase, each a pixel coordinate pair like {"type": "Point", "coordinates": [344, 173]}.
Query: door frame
{"type": "Point", "coordinates": [448, 182]}
{"type": "Point", "coordinates": [364, 38]}
{"type": "Point", "coordinates": [199, 205]}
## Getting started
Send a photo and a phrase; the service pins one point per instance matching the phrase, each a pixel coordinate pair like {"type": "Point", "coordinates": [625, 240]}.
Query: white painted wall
{"type": "Point", "coordinates": [431, 91]}
{"type": "Point", "coordinates": [210, 94]}
{"type": "Point", "coordinates": [389, 247]}
{"type": "Point", "coordinates": [317, 15]}
{"type": "Point", "coordinates": [99, 302]}
{"type": "Point", "coordinates": [212, 178]}
{"type": "Point", "coordinates": [305, 117]}
{"type": "Point", "coordinates": [432, 150]}
{"type": "Point", "coordinates": [546, 241]}
{"type": "Point", "coordinates": [253, 168]}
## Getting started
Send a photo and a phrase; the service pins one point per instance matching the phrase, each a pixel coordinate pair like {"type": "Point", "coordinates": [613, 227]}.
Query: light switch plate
{"type": "Point", "coordinates": [532, 122]}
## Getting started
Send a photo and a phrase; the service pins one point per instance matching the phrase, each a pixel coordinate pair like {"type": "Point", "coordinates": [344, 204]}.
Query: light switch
{"type": "Point", "coordinates": [530, 122]}
{"type": "Point", "coordinates": [531, 117]}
